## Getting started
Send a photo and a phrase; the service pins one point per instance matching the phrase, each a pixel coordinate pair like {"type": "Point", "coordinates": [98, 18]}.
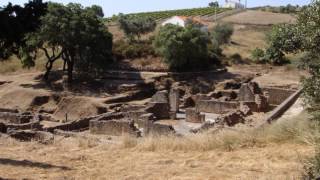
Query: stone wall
{"type": "Point", "coordinates": [15, 118]}
{"type": "Point", "coordinates": [218, 107]}
{"type": "Point", "coordinates": [283, 107]}
{"type": "Point", "coordinates": [114, 127]}
{"type": "Point", "coordinates": [277, 95]}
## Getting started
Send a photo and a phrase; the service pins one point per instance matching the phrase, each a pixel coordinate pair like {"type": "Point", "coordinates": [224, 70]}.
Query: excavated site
{"type": "Point", "coordinates": [138, 104]}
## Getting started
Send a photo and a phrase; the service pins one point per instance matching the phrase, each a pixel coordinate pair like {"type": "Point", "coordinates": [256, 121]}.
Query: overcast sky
{"type": "Point", "coordinates": [111, 7]}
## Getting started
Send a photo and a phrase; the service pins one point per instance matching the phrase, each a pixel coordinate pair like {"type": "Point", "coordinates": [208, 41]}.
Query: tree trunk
{"type": "Point", "coordinates": [48, 70]}
{"type": "Point", "coordinates": [70, 71]}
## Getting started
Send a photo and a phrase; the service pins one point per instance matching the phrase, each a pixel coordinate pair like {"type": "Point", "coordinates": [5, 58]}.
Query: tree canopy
{"type": "Point", "coordinates": [16, 22]}
{"type": "Point", "coordinates": [75, 34]}
{"type": "Point", "coordinates": [135, 26]}
{"type": "Point", "coordinates": [214, 4]}
{"type": "Point", "coordinates": [183, 48]}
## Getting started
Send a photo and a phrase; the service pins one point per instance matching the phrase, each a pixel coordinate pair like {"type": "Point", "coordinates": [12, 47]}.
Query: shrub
{"type": "Point", "coordinates": [135, 26]}
{"type": "Point", "coordinates": [125, 50]}
{"type": "Point", "coordinates": [222, 33]}
{"type": "Point", "coordinates": [257, 55]}
{"type": "Point", "coordinates": [183, 48]}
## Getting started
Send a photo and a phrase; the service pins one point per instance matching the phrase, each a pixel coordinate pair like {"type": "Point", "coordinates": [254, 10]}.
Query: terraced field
{"type": "Point", "coordinates": [158, 15]}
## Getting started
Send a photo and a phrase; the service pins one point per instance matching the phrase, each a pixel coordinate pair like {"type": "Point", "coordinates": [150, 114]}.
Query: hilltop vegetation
{"type": "Point", "coordinates": [158, 15]}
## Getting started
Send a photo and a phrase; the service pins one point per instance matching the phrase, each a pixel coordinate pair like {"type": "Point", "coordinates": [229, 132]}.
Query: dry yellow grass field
{"type": "Point", "coordinates": [276, 152]}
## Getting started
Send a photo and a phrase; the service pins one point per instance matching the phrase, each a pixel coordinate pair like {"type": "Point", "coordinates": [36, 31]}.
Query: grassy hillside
{"type": "Point", "coordinates": [158, 15]}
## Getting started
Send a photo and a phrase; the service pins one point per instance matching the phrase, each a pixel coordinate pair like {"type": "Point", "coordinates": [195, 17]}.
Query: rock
{"type": "Point", "coordinates": [3, 128]}
{"type": "Point", "coordinates": [158, 129]}
{"type": "Point", "coordinates": [231, 118]}
{"type": "Point", "coordinates": [188, 102]}
{"type": "Point", "coordinates": [161, 96]}
{"type": "Point", "coordinates": [29, 135]}
{"type": "Point", "coordinates": [159, 109]}
{"type": "Point", "coordinates": [245, 110]}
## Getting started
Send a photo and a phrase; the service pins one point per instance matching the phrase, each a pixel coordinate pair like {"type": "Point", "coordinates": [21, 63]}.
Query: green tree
{"type": "Point", "coordinates": [15, 22]}
{"type": "Point", "coordinates": [183, 48]}
{"type": "Point", "coordinates": [222, 33]}
{"type": "Point", "coordinates": [74, 34]}
{"type": "Point", "coordinates": [135, 26]}
{"type": "Point", "coordinates": [214, 4]}
{"type": "Point", "coordinates": [282, 39]}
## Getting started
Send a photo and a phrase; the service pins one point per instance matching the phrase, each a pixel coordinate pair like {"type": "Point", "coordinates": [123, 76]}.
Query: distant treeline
{"type": "Point", "coordinates": [290, 9]}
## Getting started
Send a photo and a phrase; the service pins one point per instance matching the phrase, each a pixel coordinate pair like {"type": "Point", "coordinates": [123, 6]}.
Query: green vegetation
{"type": "Point", "coordinates": [74, 34]}
{"type": "Point", "coordinates": [282, 39]}
{"type": "Point", "coordinates": [158, 15]}
{"type": "Point", "coordinates": [16, 22]}
{"type": "Point", "coordinates": [222, 33]}
{"type": "Point", "coordinates": [214, 4]}
{"type": "Point", "coordinates": [130, 50]}
{"type": "Point", "coordinates": [304, 36]}
{"type": "Point", "coordinates": [183, 48]}
{"type": "Point", "coordinates": [135, 26]}
{"type": "Point", "coordinates": [289, 9]}
{"type": "Point", "coordinates": [258, 56]}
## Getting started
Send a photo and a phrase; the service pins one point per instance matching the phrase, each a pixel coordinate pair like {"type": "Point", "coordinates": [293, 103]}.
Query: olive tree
{"type": "Point", "coordinates": [183, 48]}
{"type": "Point", "coordinates": [74, 34]}
{"type": "Point", "coordinates": [135, 26]}
{"type": "Point", "coordinates": [222, 33]}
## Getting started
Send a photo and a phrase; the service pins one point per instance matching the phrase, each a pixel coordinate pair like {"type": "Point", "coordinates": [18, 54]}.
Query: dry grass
{"type": "Point", "coordinates": [13, 64]}
{"type": "Point", "coordinates": [260, 18]}
{"type": "Point", "coordinates": [276, 152]}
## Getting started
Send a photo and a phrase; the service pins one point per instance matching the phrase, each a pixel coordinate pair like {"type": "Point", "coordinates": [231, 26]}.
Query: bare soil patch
{"type": "Point", "coordinates": [251, 17]}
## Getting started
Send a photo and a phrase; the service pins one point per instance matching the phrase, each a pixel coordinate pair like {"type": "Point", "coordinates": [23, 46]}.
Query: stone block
{"type": "Point", "coordinates": [217, 107]}
{"type": "Point", "coordinates": [159, 109]}
{"type": "Point", "coordinates": [158, 129]}
{"type": "Point", "coordinates": [174, 99]}
{"type": "Point", "coordinates": [193, 116]}
{"type": "Point", "coordinates": [245, 110]}
{"type": "Point", "coordinates": [231, 118]}
{"type": "Point", "coordinates": [160, 96]}
{"type": "Point", "coordinates": [3, 128]}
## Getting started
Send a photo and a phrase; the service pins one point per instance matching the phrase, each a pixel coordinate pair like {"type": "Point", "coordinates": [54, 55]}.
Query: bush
{"type": "Point", "coordinates": [125, 50]}
{"type": "Point", "coordinates": [183, 48]}
{"type": "Point", "coordinates": [257, 55]}
{"type": "Point", "coordinates": [135, 26]}
{"type": "Point", "coordinates": [222, 33]}
{"type": "Point", "coordinates": [282, 39]}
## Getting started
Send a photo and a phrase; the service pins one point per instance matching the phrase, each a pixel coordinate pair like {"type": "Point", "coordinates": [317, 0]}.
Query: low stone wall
{"type": "Point", "coordinates": [277, 95]}
{"type": "Point", "coordinates": [15, 118]}
{"type": "Point", "coordinates": [218, 107]}
{"type": "Point", "coordinates": [282, 108]}
{"type": "Point", "coordinates": [114, 127]}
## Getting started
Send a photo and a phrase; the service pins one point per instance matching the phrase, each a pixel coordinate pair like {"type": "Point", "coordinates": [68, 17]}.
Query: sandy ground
{"type": "Point", "coordinates": [74, 159]}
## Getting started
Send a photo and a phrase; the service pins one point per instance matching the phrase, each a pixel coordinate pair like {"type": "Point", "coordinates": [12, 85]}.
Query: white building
{"type": "Point", "coordinates": [234, 4]}
{"type": "Point", "coordinates": [183, 21]}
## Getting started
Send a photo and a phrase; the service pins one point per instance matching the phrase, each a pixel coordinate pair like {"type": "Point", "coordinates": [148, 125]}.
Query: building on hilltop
{"type": "Point", "coordinates": [234, 4]}
{"type": "Point", "coordinates": [183, 21]}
